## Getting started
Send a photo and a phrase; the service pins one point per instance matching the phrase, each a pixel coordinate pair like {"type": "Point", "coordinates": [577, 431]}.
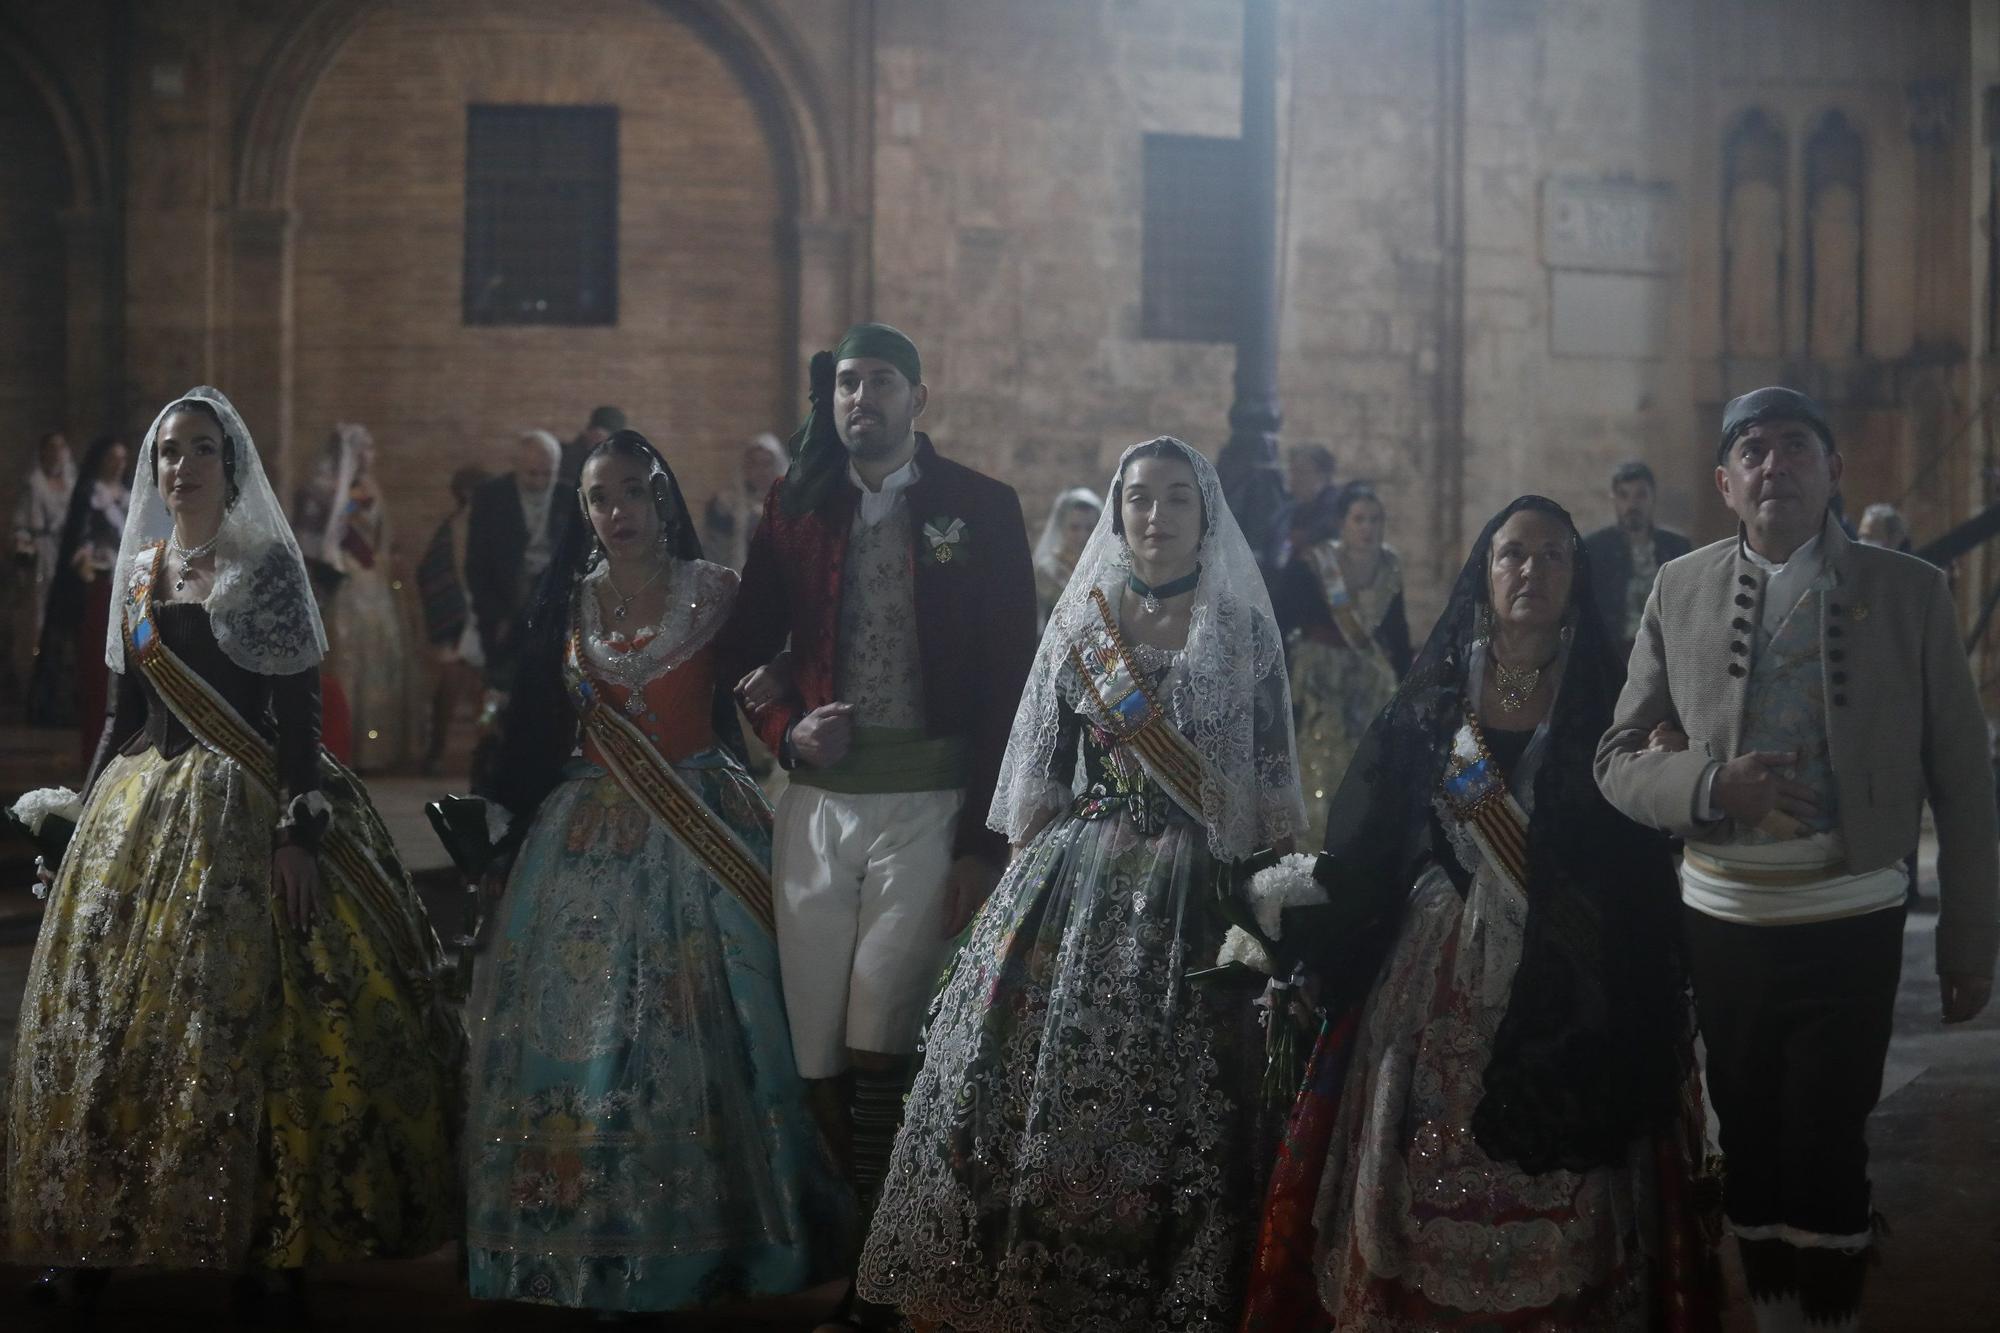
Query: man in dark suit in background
{"type": "Point", "coordinates": [516, 525]}
{"type": "Point", "coordinates": [1625, 557]}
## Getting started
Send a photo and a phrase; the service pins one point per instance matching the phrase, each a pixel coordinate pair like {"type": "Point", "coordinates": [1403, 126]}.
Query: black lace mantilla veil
{"type": "Point", "coordinates": [538, 730]}
{"type": "Point", "coordinates": [1588, 1053]}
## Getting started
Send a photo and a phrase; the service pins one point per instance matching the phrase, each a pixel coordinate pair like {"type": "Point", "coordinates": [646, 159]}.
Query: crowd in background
{"type": "Point", "coordinates": [443, 654]}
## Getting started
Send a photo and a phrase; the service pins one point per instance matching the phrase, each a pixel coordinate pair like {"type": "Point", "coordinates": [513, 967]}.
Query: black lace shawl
{"type": "Point", "coordinates": [1588, 1054]}
{"type": "Point", "coordinates": [538, 729]}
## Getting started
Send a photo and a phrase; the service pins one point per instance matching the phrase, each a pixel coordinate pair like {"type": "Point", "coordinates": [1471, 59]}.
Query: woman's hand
{"type": "Point", "coordinates": [295, 879]}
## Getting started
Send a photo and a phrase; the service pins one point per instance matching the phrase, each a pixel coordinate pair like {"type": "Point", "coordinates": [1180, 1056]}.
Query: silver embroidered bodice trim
{"type": "Point", "coordinates": [700, 597]}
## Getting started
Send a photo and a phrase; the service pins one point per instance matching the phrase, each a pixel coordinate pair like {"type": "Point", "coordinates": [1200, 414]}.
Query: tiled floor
{"type": "Point", "coordinates": [1936, 1140]}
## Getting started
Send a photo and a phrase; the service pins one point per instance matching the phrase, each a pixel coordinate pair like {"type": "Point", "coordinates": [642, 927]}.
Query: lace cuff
{"type": "Point", "coordinates": [304, 822]}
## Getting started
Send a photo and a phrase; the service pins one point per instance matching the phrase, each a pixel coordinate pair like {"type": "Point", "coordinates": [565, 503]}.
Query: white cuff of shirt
{"type": "Point", "coordinates": [1705, 810]}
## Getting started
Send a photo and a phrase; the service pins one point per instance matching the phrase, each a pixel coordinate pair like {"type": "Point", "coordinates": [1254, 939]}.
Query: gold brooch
{"type": "Point", "coordinates": [1859, 611]}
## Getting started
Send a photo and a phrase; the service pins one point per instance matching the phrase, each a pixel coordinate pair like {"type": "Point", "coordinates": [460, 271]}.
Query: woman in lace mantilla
{"type": "Point", "coordinates": [230, 1056]}
{"type": "Point", "coordinates": [639, 1135]}
{"type": "Point", "coordinates": [1078, 1152]}
{"type": "Point", "coordinates": [345, 522]}
{"type": "Point", "coordinates": [1499, 1125]}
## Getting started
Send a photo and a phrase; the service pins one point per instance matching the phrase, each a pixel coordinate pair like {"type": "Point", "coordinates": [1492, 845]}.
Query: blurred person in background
{"type": "Point", "coordinates": [38, 524]}
{"type": "Point", "coordinates": [449, 627]}
{"type": "Point", "coordinates": [730, 519]}
{"type": "Point", "coordinates": [1072, 518]}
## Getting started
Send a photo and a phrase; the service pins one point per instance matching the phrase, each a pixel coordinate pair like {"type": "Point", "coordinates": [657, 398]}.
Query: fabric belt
{"type": "Point", "coordinates": [1776, 876]}
{"type": "Point", "coordinates": [892, 759]}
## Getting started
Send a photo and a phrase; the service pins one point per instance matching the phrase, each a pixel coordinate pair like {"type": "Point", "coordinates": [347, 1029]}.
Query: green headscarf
{"type": "Point", "coordinates": [818, 456]}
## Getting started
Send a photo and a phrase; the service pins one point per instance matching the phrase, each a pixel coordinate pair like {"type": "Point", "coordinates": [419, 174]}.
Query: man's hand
{"type": "Point", "coordinates": [1751, 786]}
{"type": "Point", "coordinates": [1963, 996]}
{"type": "Point", "coordinates": [1666, 739]}
{"type": "Point", "coordinates": [821, 738]}
{"type": "Point", "coordinates": [966, 889]}
{"type": "Point", "coordinates": [295, 879]}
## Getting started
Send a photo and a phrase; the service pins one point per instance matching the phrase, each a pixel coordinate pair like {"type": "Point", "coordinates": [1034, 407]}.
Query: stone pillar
{"type": "Point", "coordinates": [1251, 478]}
{"type": "Point", "coordinates": [256, 360]}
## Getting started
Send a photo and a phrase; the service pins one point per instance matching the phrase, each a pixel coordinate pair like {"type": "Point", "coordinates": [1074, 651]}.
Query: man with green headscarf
{"type": "Point", "coordinates": [903, 583]}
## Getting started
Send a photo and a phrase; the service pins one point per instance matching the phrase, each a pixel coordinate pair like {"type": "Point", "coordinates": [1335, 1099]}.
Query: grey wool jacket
{"type": "Point", "coordinates": [1904, 722]}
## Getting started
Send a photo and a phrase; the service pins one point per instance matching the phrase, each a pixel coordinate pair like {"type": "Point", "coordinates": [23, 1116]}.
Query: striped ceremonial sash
{"type": "Point", "coordinates": [647, 778]}
{"type": "Point", "coordinates": [1476, 791]}
{"type": "Point", "coordinates": [220, 728]}
{"type": "Point", "coordinates": [1124, 709]}
{"type": "Point", "coordinates": [1340, 602]}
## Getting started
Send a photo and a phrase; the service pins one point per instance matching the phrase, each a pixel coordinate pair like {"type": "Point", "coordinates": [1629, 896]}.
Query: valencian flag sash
{"type": "Point", "coordinates": [1476, 791]}
{"type": "Point", "coordinates": [645, 776]}
{"type": "Point", "coordinates": [220, 728]}
{"type": "Point", "coordinates": [1325, 566]}
{"type": "Point", "coordinates": [1120, 704]}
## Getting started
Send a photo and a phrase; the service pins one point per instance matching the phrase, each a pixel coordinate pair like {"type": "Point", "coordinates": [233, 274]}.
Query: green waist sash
{"type": "Point", "coordinates": [890, 759]}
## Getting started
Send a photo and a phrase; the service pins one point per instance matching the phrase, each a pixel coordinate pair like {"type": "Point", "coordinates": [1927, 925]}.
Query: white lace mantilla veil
{"type": "Point", "coordinates": [1228, 692]}
{"type": "Point", "coordinates": [261, 606]}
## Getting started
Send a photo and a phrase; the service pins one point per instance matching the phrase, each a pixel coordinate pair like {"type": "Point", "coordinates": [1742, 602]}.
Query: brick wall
{"type": "Point", "coordinates": [696, 358]}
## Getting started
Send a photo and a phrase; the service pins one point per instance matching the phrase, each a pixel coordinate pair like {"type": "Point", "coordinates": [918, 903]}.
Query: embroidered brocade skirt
{"type": "Point", "coordinates": [197, 1084]}
{"type": "Point", "coordinates": [1077, 1151]}
{"type": "Point", "coordinates": [1418, 1228]}
{"type": "Point", "coordinates": [1336, 693]}
{"type": "Point", "coordinates": [639, 1137]}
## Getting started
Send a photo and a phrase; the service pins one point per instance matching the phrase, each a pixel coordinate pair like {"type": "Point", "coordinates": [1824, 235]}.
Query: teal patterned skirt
{"type": "Point", "coordinates": [638, 1137]}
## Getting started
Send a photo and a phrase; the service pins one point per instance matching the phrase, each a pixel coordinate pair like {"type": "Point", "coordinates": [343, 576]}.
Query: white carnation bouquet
{"type": "Point", "coordinates": [1254, 944]}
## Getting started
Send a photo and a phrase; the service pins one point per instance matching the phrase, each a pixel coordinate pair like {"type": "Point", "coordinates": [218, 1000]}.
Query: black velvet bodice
{"type": "Point", "coordinates": [284, 709]}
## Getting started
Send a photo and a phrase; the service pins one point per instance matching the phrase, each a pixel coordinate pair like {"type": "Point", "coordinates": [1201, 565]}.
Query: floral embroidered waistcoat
{"type": "Point", "coordinates": [879, 666]}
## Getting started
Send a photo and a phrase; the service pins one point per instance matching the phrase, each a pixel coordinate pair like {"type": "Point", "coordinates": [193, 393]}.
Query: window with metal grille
{"type": "Point", "coordinates": [1191, 251]}
{"type": "Point", "coordinates": [541, 215]}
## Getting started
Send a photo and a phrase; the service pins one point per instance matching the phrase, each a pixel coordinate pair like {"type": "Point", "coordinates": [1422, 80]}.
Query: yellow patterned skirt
{"type": "Point", "coordinates": [196, 1083]}
{"type": "Point", "coordinates": [1336, 693]}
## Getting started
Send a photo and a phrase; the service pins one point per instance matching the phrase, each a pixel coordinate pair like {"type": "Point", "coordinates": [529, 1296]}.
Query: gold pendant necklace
{"type": "Point", "coordinates": [1516, 686]}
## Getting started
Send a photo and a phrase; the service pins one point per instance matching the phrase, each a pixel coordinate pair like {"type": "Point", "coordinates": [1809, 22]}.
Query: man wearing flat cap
{"type": "Point", "coordinates": [903, 583]}
{"type": "Point", "coordinates": [1793, 698]}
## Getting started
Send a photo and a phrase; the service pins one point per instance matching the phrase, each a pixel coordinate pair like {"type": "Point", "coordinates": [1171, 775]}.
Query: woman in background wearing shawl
{"type": "Point", "coordinates": [1079, 1152]}
{"type": "Point", "coordinates": [235, 1051]}
{"type": "Point", "coordinates": [1072, 518]}
{"type": "Point", "coordinates": [345, 527]}
{"type": "Point", "coordinates": [1347, 639]}
{"type": "Point", "coordinates": [639, 1135]}
{"type": "Point", "coordinates": [1500, 1125]}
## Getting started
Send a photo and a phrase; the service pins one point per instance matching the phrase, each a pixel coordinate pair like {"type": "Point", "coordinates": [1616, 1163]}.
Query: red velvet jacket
{"type": "Point", "coordinates": [975, 616]}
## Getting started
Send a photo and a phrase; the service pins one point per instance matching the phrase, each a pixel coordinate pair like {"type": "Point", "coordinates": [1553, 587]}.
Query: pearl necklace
{"type": "Point", "coordinates": [186, 554]}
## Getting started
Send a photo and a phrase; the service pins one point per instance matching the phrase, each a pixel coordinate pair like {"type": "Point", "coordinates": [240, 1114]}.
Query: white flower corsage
{"type": "Point", "coordinates": [947, 538]}
{"type": "Point", "coordinates": [36, 807]}
{"type": "Point", "coordinates": [1289, 883]}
